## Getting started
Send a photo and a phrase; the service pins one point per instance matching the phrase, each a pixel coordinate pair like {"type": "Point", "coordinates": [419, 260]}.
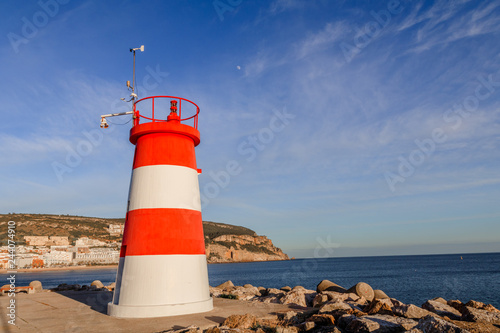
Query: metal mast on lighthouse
{"type": "Point", "coordinates": [163, 268]}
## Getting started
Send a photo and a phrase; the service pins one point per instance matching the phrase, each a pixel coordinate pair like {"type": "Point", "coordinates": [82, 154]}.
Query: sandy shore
{"type": "Point", "coordinates": [72, 268]}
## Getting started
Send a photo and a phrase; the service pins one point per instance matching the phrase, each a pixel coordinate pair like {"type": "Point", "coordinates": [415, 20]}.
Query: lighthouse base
{"type": "Point", "coordinates": [160, 286]}
{"type": "Point", "coordinates": [125, 311]}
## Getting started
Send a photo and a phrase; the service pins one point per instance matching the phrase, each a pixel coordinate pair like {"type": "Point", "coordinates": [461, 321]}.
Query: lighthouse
{"type": "Point", "coordinates": [162, 269]}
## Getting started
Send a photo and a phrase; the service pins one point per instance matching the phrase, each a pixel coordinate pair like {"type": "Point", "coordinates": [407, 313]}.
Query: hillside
{"type": "Point", "coordinates": [224, 242]}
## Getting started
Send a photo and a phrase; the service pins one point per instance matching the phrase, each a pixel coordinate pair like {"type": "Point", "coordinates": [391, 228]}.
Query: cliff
{"type": "Point", "coordinates": [235, 248]}
{"type": "Point", "coordinates": [224, 242]}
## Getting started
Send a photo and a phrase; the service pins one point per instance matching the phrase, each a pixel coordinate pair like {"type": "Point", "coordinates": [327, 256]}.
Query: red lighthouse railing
{"type": "Point", "coordinates": [176, 106]}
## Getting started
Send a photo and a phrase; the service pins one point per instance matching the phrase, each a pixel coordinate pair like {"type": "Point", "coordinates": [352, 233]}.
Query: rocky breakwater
{"type": "Point", "coordinates": [332, 308]}
{"type": "Point", "coordinates": [241, 248]}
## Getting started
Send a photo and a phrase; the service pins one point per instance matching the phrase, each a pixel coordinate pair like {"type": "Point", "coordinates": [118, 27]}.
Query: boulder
{"type": "Point", "coordinates": [319, 300]}
{"type": "Point", "coordinates": [410, 311]}
{"type": "Point", "coordinates": [248, 285]}
{"type": "Point", "coordinates": [327, 285]}
{"type": "Point", "coordinates": [240, 321]}
{"type": "Point", "coordinates": [189, 329]}
{"type": "Point", "coordinates": [290, 329]}
{"type": "Point", "coordinates": [286, 289]}
{"type": "Point", "coordinates": [379, 294]}
{"type": "Point", "coordinates": [289, 317]}
{"type": "Point", "coordinates": [362, 290]}
{"type": "Point", "coordinates": [111, 286]}
{"type": "Point", "coordinates": [432, 324]}
{"type": "Point", "coordinates": [344, 297]}
{"type": "Point", "coordinates": [36, 285]}
{"type": "Point", "coordinates": [440, 300]}
{"type": "Point", "coordinates": [442, 309]}
{"type": "Point", "coordinates": [331, 306]}
{"type": "Point", "coordinates": [322, 319]}
{"type": "Point", "coordinates": [482, 306]}
{"type": "Point", "coordinates": [226, 284]}
{"type": "Point", "coordinates": [380, 323]}
{"type": "Point", "coordinates": [298, 288]}
{"type": "Point", "coordinates": [307, 326]}
{"type": "Point", "coordinates": [98, 284]}
{"type": "Point", "coordinates": [294, 297]}
{"type": "Point", "coordinates": [478, 315]}
{"type": "Point", "coordinates": [380, 306]}
{"type": "Point", "coordinates": [274, 292]}
{"type": "Point", "coordinates": [455, 304]}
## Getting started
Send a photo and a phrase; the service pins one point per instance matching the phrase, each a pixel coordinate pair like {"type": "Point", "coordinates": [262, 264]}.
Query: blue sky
{"type": "Point", "coordinates": [356, 127]}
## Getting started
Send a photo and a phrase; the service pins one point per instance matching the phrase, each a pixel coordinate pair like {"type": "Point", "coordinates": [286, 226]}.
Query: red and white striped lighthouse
{"type": "Point", "coordinates": [163, 268]}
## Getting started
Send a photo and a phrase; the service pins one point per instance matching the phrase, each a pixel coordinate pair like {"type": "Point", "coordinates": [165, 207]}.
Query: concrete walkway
{"type": "Point", "coordinates": [85, 311]}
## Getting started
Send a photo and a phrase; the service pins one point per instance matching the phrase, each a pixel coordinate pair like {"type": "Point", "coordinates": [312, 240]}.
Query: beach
{"type": "Point", "coordinates": [48, 269]}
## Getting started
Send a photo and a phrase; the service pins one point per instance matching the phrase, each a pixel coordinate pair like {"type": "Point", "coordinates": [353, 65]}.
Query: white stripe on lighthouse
{"type": "Point", "coordinates": [164, 186]}
{"type": "Point", "coordinates": [161, 285]}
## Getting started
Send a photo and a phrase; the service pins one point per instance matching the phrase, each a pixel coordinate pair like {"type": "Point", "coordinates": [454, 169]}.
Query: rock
{"type": "Point", "coordinates": [286, 289]}
{"type": "Point", "coordinates": [262, 290]}
{"type": "Point", "coordinates": [380, 306]}
{"type": "Point", "coordinates": [456, 304]}
{"type": "Point", "coordinates": [98, 284]}
{"type": "Point", "coordinates": [362, 290]}
{"type": "Point", "coordinates": [248, 285]}
{"type": "Point", "coordinates": [111, 286]}
{"type": "Point", "coordinates": [440, 300]}
{"type": "Point", "coordinates": [189, 329]}
{"type": "Point", "coordinates": [380, 323]}
{"type": "Point", "coordinates": [213, 329]}
{"type": "Point", "coordinates": [331, 306]}
{"type": "Point", "coordinates": [395, 302]}
{"type": "Point", "coordinates": [327, 285]}
{"type": "Point", "coordinates": [344, 297]}
{"type": "Point", "coordinates": [432, 324]}
{"type": "Point", "coordinates": [410, 311]}
{"type": "Point", "coordinates": [243, 293]}
{"type": "Point", "coordinates": [319, 300]}
{"type": "Point", "coordinates": [442, 309]}
{"type": "Point", "coordinates": [308, 325]}
{"type": "Point", "coordinates": [298, 288]}
{"type": "Point", "coordinates": [37, 286]}
{"type": "Point", "coordinates": [226, 284]}
{"type": "Point", "coordinates": [482, 306]}
{"type": "Point", "coordinates": [322, 319]}
{"type": "Point", "coordinates": [240, 321]}
{"type": "Point", "coordinates": [294, 297]}
{"type": "Point", "coordinates": [290, 329]}
{"type": "Point", "coordinates": [289, 317]}
{"type": "Point", "coordinates": [478, 315]}
{"type": "Point", "coordinates": [379, 294]}
{"type": "Point", "coordinates": [274, 292]}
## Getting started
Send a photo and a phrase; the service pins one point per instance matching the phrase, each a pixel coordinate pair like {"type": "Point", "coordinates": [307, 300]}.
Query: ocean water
{"type": "Point", "coordinates": [411, 279]}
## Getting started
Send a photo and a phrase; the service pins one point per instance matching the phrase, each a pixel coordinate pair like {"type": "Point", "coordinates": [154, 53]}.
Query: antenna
{"type": "Point", "coordinates": [104, 123]}
{"type": "Point", "coordinates": [134, 93]}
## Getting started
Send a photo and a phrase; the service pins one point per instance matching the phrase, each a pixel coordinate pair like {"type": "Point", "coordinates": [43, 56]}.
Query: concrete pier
{"type": "Point", "coordinates": [85, 311]}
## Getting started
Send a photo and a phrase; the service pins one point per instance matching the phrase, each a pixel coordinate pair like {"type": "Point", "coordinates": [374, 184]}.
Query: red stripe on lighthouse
{"type": "Point", "coordinates": [162, 231]}
{"type": "Point", "coordinates": [161, 148]}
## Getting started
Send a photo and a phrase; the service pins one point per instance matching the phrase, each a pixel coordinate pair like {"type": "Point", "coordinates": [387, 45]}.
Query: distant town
{"type": "Point", "coordinates": [56, 251]}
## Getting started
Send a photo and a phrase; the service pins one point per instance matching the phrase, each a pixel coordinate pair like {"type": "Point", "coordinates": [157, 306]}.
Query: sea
{"type": "Point", "coordinates": [410, 279]}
